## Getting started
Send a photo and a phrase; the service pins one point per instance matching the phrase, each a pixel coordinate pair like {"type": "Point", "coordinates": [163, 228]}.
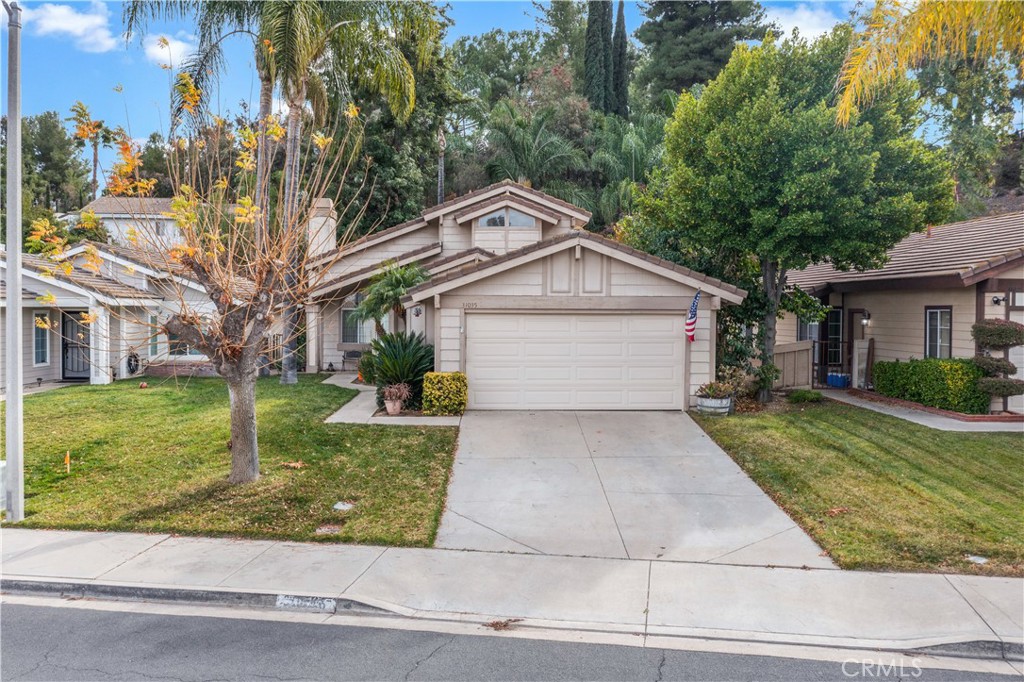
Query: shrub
{"type": "Point", "coordinates": [402, 358]}
{"type": "Point", "coordinates": [716, 389]}
{"type": "Point", "coordinates": [743, 383]}
{"type": "Point", "coordinates": [1001, 387]}
{"type": "Point", "coordinates": [804, 396]}
{"type": "Point", "coordinates": [994, 367]}
{"type": "Point", "coordinates": [947, 384]}
{"type": "Point", "coordinates": [367, 368]}
{"type": "Point", "coordinates": [998, 334]}
{"type": "Point", "coordinates": [445, 393]}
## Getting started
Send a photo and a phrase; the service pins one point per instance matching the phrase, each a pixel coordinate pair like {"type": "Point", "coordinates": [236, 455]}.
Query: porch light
{"type": "Point", "coordinates": [998, 300]}
{"type": "Point", "coordinates": [417, 311]}
{"type": "Point", "coordinates": [865, 319]}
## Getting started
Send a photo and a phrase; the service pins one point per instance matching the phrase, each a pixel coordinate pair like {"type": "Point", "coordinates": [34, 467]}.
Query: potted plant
{"type": "Point", "coordinates": [394, 396]}
{"type": "Point", "coordinates": [715, 398]}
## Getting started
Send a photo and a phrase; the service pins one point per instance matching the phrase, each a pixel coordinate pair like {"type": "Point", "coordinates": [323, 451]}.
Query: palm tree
{"type": "Point", "coordinates": [311, 40]}
{"type": "Point", "coordinates": [526, 150]}
{"type": "Point", "coordinates": [627, 152]}
{"type": "Point", "coordinates": [386, 291]}
{"type": "Point", "coordinates": [902, 34]}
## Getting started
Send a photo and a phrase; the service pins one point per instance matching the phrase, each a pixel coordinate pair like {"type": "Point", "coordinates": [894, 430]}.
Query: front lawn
{"type": "Point", "coordinates": [881, 493]}
{"type": "Point", "coordinates": [156, 460]}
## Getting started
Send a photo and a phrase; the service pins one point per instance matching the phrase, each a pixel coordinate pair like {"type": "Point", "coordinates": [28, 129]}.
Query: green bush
{"type": "Point", "coordinates": [994, 367]}
{"type": "Point", "coordinates": [947, 384]}
{"type": "Point", "coordinates": [368, 368]}
{"type": "Point", "coordinates": [402, 358]}
{"type": "Point", "coordinates": [802, 395]}
{"type": "Point", "coordinates": [445, 393]}
{"type": "Point", "coordinates": [998, 334]}
{"type": "Point", "coordinates": [1001, 387]}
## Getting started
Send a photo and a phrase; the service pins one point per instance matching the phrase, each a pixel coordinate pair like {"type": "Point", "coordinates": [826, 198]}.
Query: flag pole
{"type": "Point", "coordinates": [14, 487]}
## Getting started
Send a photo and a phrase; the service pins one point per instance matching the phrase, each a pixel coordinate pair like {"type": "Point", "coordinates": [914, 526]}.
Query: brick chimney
{"type": "Point", "coordinates": [321, 228]}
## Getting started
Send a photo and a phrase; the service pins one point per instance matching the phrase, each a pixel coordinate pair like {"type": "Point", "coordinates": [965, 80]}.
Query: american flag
{"type": "Point", "coordinates": [691, 319]}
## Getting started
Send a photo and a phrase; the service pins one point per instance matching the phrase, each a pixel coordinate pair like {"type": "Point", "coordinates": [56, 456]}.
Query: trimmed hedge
{"type": "Point", "coordinates": [994, 367]}
{"type": "Point", "coordinates": [802, 395]}
{"type": "Point", "coordinates": [445, 393]}
{"type": "Point", "coordinates": [1001, 387]}
{"type": "Point", "coordinates": [998, 334]}
{"type": "Point", "coordinates": [947, 384]}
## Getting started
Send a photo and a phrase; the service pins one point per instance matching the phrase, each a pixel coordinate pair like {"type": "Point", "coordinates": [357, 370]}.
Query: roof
{"type": "Point", "coordinates": [372, 237]}
{"type": "Point", "coordinates": [569, 237]}
{"type": "Point", "coordinates": [359, 275]}
{"type": "Point", "coordinates": [964, 251]}
{"type": "Point", "coordinates": [465, 198]}
{"type": "Point", "coordinates": [500, 199]}
{"type": "Point", "coordinates": [82, 278]}
{"type": "Point", "coordinates": [133, 206]}
{"type": "Point", "coordinates": [474, 251]}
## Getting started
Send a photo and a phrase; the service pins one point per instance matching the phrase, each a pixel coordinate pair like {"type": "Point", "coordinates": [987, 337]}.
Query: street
{"type": "Point", "coordinates": [54, 643]}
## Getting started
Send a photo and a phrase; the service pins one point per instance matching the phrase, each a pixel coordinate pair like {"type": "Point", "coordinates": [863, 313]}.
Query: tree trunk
{"type": "Point", "coordinates": [261, 193]}
{"type": "Point", "coordinates": [245, 453]}
{"type": "Point", "coordinates": [773, 285]}
{"type": "Point", "coordinates": [289, 360]}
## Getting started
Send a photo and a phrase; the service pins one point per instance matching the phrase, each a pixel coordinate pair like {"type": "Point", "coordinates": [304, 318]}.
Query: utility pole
{"type": "Point", "coordinates": [15, 470]}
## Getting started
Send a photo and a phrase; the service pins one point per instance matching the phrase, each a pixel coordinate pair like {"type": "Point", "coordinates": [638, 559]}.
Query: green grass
{"type": "Point", "coordinates": [902, 497]}
{"type": "Point", "coordinates": [157, 460]}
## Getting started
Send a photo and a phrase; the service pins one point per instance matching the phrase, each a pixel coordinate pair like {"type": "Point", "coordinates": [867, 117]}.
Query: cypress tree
{"type": "Point", "coordinates": [609, 60]}
{"type": "Point", "coordinates": [620, 86]}
{"type": "Point", "coordinates": [594, 56]}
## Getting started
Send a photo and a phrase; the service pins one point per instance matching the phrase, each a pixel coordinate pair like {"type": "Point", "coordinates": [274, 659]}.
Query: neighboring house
{"type": "Point", "coordinates": [126, 298]}
{"type": "Point", "coordinates": [539, 313]}
{"type": "Point", "coordinates": [145, 217]}
{"type": "Point", "coordinates": [922, 303]}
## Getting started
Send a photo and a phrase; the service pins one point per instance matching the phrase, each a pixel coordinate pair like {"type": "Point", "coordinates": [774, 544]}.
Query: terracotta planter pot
{"type": "Point", "coordinates": [714, 406]}
{"type": "Point", "coordinates": [393, 406]}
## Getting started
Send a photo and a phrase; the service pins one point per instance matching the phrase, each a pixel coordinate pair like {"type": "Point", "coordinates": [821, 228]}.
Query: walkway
{"type": "Point", "coordinates": [625, 485]}
{"type": "Point", "coordinates": [653, 598]}
{"type": "Point", "coordinates": [362, 408]}
{"type": "Point", "coordinates": [935, 421]}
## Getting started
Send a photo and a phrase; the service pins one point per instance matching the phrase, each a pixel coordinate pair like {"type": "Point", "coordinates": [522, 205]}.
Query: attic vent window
{"type": "Point", "coordinates": [508, 217]}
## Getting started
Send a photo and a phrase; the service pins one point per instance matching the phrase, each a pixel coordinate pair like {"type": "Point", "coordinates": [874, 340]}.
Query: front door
{"type": "Point", "coordinates": [75, 344]}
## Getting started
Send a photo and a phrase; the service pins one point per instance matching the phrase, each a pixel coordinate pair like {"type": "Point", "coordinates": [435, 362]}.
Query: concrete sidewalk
{"type": "Point", "coordinates": [653, 598]}
{"type": "Point", "coordinates": [363, 408]}
{"type": "Point", "coordinates": [929, 419]}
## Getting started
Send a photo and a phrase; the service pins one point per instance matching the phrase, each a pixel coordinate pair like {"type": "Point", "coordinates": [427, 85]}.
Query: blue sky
{"type": "Point", "coordinates": [76, 51]}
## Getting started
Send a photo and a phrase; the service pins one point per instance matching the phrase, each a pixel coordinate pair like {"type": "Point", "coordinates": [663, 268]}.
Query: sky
{"type": "Point", "coordinates": [75, 51]}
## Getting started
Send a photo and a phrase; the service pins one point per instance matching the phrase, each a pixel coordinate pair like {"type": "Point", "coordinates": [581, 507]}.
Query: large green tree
{"type": "Point", "coordinates": [563, 27]}
{"type": "Point", "coordinates": [689, 41]}
{"type": "Point", "coordinates": [594, 65]}
{"type": "Point", "coordinates": [620, 65]}
{"type": "Point", "coordinates": [757, 172]}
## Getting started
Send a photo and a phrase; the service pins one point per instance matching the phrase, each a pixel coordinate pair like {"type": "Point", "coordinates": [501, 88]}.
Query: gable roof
{"type": "Point", "coordinates": [357, 276]}
{"type": "Point", "coordinates": [508, 187]}
{"type": "Point", "coordinates": [507, 199]}
{"type": "Point", "coordinates": [87, 282]}
{"type": "Point", "coordinates": [963, 252]}
{"type": "Point", "coordinates": [452, 278]}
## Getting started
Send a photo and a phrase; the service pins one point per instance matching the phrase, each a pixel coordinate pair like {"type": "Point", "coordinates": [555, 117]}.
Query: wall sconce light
{"type": "Point", "coordinates": [39, 382]}
{"type": "Point", "coordinates": [865, 319]}
{"type": "Point", "coordinates": [417, 311]}
{"type": "Point", "coordinates": [998, 300]}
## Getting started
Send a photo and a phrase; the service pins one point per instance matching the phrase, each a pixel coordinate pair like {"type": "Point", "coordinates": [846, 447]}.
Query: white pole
{"type": "Point", "coordinates": [15, 469]}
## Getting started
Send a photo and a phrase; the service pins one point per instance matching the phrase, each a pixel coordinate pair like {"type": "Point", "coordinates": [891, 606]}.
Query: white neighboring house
{"type": "Point", "coordinates": [145, 216]}
{"type": "Point", "coordinates": [539, 313]}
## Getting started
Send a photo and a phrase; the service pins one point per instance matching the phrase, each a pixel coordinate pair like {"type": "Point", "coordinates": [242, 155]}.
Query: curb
{"type": "Point", "coordinates": [976, 650]}
{"type": "Point", "coordinates": [262, 600]}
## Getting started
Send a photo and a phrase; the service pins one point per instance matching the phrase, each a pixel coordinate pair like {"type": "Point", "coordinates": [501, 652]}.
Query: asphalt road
{"type": "Point", "coordinates": [43, 643]}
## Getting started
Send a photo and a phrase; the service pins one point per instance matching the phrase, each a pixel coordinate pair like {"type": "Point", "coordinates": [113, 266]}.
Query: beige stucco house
{"type": "Point", "coordinates": [922, 303]}
{"type": "Point", "coordinates": [539, 313]}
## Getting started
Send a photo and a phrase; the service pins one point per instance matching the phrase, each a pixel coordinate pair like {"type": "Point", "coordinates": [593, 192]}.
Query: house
{"type": "Point", "coordinates": [147, 217]}
{"type": "Point", "coordinates": [124, 297]}
{"type": "Point", "coordinates": [922, 303]}
{"type": "Point", "coordinates": [539, 313]}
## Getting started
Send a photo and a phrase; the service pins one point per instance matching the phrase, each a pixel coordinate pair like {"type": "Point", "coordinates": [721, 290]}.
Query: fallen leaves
{"type": "Point", "coordinates": [298, 464]}
{"type": "Point", "coordinates": [836, 511]}
{"type": "Point", "coordinates": [503, 624]}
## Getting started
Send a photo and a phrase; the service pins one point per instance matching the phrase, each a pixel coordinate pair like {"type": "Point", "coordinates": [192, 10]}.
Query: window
{"type": "Point", "coordinates": [508, 217]}
{"type": "Point", "coordinates": [834, 331]}
{"type": "Point", "coordinates": [40, 339]}
{"type": "Point", "coordinates": [352, 328]}
{"type": "Point", "coordinates": [807, 331]}
{"type": "Point", "coordinates": [178, 348]}
{"type": "Point", "coordinates": [154, 338]}
{"type": "Point", "coordinates": [938, 333]}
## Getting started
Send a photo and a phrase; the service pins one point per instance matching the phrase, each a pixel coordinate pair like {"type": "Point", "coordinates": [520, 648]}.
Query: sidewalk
{"type": "Point", "coordinates": [362, 408]}
{"type": "Point", "coordinates": [653, 598]}
{"type": "Point", "coordinates": [935, 421]}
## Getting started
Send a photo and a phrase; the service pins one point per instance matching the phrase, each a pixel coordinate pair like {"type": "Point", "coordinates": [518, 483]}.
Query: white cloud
{"type": "Point", "coordinates": [161, 48]}
{"type": "Point", "coordinates": [88, 26]}
{"type": "Point", "coordinates": [812, 19]}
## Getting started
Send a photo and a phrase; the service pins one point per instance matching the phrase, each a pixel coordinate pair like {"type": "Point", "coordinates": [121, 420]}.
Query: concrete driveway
{"type": "Point", "coordinates": [637, 485]}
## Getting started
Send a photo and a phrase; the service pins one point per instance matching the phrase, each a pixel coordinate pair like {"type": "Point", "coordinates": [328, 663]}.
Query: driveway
{"type": "Point", "coordinates": [636, 485]}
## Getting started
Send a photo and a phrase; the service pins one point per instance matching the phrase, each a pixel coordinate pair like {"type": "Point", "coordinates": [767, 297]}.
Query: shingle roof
{"type": "Point", "coordinates": [964, 249]}
{"type": "Point", "coordinates": [134, 206]}
{"type": "Point", "coordinates": [85, 279]}
{"type": "Point", "coordinates": [355, 275]}
{"type": "Point", "coordinates": [475, 251]}
{"type": "Point", "coordinates": [457, 273]}
{"type": "Point", "coordinates": [500, 198]}
{"type": "Point", "coordinates": [504, 183]}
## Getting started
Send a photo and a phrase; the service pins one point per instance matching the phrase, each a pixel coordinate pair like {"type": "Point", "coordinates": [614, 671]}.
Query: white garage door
{"type": "Point", "coordinates": [518, 361]}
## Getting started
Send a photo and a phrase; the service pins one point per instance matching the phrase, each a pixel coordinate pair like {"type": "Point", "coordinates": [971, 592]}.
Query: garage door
{"type": "Point", "coordinates": [574, 361]}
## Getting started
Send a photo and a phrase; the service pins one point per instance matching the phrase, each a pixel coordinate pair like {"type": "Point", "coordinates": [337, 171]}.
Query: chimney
{"type": "Point", "coordinates": [321, 228]}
